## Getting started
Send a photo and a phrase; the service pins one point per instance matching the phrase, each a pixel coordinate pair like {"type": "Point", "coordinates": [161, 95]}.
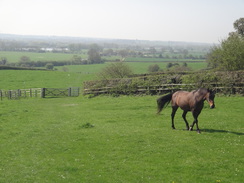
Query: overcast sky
{"type": "Point", "coordinates": [166, 20]}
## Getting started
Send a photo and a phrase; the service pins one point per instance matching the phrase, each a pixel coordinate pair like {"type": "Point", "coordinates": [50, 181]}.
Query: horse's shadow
{"type": "Point", "coordinates": [221, 131]}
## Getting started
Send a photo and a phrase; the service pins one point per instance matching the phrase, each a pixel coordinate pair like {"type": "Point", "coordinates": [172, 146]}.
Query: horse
{"type": "Point", "coordinates": [188, 101]}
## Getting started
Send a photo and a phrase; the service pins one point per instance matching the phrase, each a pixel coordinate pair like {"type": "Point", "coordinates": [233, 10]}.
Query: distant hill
{"type": "Point", "coordinates": [87, 40]}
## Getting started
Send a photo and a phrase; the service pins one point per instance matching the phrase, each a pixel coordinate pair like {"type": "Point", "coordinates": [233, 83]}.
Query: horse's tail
{"type": "Point", "coordinates": [163, 101]}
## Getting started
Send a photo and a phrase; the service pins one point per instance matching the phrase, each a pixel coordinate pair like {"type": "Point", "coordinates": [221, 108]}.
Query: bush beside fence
{"type": "Point", "coordinates": [222, 82]}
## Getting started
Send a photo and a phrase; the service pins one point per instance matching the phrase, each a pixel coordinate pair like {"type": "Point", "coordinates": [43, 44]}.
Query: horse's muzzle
{"type": "Point", "coordinates": [212, 106]}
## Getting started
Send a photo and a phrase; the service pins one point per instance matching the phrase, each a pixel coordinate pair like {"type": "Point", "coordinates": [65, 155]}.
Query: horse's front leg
{"type": "Point", "coordinates": [195, 115]}
{"type": "Point", "coordinates": [174, 109]}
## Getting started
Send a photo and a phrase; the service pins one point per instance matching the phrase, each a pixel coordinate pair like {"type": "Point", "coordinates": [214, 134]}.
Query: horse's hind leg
{"type": "Point", "coordinates": [174, 109]}
{"type": "Point", "coordinates": [184, 117]}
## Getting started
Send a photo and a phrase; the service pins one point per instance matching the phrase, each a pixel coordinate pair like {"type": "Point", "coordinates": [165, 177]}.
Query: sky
{"type": "Point", "coordinates": [206, 21]}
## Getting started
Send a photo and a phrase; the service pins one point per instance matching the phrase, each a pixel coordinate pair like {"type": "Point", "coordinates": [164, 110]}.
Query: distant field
{"type": "Point", "coordinates": [75, 75]}
{"type": "Point", "coordinates": [140, 59]}
{"type": "Point", "coordinates": [18, 79]}
{"type": "Point", "coordinates": [14, 57]}
{"type": "Point", "coordinates": [137, 67]}
{"type": "Point", "coordinates": [142, 67]}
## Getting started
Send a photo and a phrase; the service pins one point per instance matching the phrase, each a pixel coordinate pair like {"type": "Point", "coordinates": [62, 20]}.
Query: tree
{"type": "Point", "coordinates": [3, 61]}
{"type": "Point", "coordinates": [115, 70]}
{"type": "Point", "coordinates": [25, 59]}
{"type": "Point", "coordinates": [169, 65]}
{"type": "Point", "coordinates": [239, 26]}
{"type": "Point", "coordinates": [153, 68]}
{"type": "Point", "coordinates": [94, 54]}
{"type": "Point", "coordinates": [76, 60]}
{"type": "Point", "coordinates": [49, 66]}
{"type": "Point", "coordinates": [160, 56]}
{"type": "Point", "coordinates": [229, 55]}
{"type": "Point", "coordinates": [123, 53]}
{"type": "Point", "coordinates": [184, 64]}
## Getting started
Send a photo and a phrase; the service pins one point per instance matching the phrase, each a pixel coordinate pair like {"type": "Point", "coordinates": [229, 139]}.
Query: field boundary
{"type": "Point", "coordinates": [163, 89]}
{"type": "Point", "coordinates": [222, 82]}
{"type": "Point", "coordinates": [39, 93]}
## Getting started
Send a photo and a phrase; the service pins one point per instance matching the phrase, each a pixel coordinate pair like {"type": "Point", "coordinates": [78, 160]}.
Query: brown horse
{"type": "Point", "coordinates": [188, 101]}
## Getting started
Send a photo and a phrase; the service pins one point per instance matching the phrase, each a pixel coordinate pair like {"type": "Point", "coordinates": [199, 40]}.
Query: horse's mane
{"type": "Point", "coordinates": [200, 90]}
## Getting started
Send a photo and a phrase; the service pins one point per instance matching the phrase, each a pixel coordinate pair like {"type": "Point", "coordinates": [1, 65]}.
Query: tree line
{"type": "Point", "coordinates": [229, 55]}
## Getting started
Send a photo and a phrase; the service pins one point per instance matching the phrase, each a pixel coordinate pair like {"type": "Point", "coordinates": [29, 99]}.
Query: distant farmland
{"type": "Point", "coordinates": [13, 57]}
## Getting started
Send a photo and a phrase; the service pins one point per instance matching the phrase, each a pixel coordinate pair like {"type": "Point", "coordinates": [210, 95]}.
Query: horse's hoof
{"type": "Point", "coordinates": [190, 129]}
{"type": "Point", "coordinates": [173, 128]}
{"type": "Point", "coordinates": [198, 131]}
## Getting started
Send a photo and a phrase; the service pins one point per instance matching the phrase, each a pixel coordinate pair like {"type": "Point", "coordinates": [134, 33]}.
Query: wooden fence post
{"type": "Point", "coordinates": [19, 93]}
{"type": "Point", "coordinates": [42, 92]}
{"type": "Point", "coordinates": [9, 94]}
{"type": "Point", "coordinates": [69, 92]}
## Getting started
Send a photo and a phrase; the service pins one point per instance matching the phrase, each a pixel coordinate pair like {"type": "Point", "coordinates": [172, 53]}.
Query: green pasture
{"type": "Point", "coordinates": [142, 59]}
{"type": "Point", "coordinates": [74, 77]}
{"type": "Point", "coordinates": [141, 67]}
{"type": "Point", "coordinates": [24, 79]}
{"type": "Point", "coordinates": [13, 57]}
{"type": "Point", "coordinates": [107, 139]}
{"type": "Point", "coordinates": [137, 67]}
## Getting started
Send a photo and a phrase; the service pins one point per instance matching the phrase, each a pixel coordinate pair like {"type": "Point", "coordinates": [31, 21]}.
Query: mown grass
{"type": "Point", "coordinates": [106, 139]}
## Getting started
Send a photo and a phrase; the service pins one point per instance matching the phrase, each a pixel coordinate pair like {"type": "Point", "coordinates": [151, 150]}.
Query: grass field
{"type": "Point", "coordinates": [76, 75]}
{"type": "Point", "coordinates": [14, 57]}
{"type": "Point", "coordinates": [19, 79]}
{"type": "Point", "coordinates": [137, 67]}
{"type": "Point", "coordinates": [140, 59]}
{"type": "Point", "coordinates": [106, 139]}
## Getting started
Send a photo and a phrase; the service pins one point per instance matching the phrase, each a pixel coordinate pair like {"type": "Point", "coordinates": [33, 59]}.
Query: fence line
{"type": "Point", "coordinates": [164, 88]}
{"type": "Point", "coordinates": [39, 92]}
{"type": "Point", "coordinates": [20, 93]}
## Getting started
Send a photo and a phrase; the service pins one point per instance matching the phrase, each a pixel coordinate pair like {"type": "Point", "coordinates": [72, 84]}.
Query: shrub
{"type": "Point", "coordinates": [49, 66]}
{"type": "Point", "coordinates": [153, 68]}
{"type": "Point", "coordinates": [115, 70]}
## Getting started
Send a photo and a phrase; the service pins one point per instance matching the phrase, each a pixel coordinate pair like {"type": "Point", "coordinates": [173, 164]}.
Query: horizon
{"type": "Point", "coordinates": [155, 20]}
{"type": "Point", "coordinates": [98, 38]}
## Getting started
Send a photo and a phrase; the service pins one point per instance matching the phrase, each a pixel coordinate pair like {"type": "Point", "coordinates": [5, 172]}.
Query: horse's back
{"type": "Point", "coordinates": [180, 94]}
{"type": "Point", "coordinates": [182, 99]}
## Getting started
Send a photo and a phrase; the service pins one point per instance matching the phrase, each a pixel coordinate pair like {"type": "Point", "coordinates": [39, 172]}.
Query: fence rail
{"type": "Point", "coordinates": [20, 93]}
{"type": "Point", "coordinates": [39, 92]}
{"type": "Point", "coordinates": [164, 88]}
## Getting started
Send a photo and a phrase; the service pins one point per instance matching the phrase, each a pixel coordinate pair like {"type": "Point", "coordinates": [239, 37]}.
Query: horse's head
{"type": "Point", "coordinates": [210, 98]}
